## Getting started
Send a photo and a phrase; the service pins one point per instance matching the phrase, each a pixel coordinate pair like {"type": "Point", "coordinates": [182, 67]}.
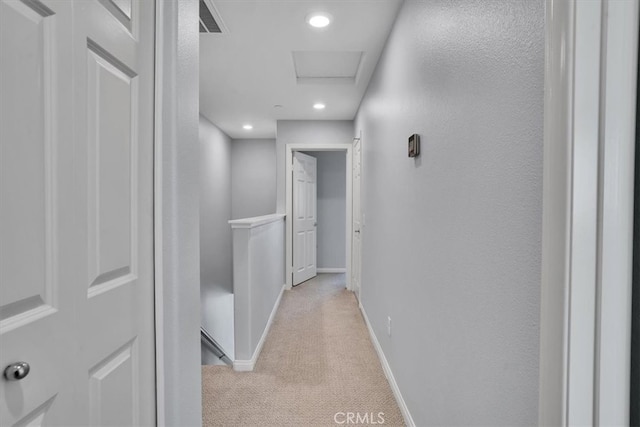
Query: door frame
{"type": "Point", "coordinates": [585, 323]}
{"type": "Point", "coordinates": [289, 149]}
{"type": "Point", "coordinates": [175, 214]}
{"type": "Point", "coordinates": [175, 298]}
{"type": "Point", "coordinates": [358, 292]}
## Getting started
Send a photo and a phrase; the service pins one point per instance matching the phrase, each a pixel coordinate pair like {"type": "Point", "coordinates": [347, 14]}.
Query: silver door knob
{"type": "Point", "coordinates": [17, 371]}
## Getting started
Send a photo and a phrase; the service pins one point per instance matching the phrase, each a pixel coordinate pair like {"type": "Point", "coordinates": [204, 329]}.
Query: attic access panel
{"type": "Point", "coordinates": [316, 67]}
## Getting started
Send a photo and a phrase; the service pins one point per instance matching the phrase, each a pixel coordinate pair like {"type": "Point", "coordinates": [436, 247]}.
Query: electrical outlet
{"type": "Point", "coordinates": [389, 325]}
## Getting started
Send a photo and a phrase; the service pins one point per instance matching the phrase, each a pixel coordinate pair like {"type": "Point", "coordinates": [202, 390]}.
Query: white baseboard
{"type": "Point", "coordinates": [408, 420]}
{"type": "Point", "coordinates": [331, 270]}
{"type": "Point", "coordinates": [248, 365]}
{"type": "Point", "coordinates": [244, 365]}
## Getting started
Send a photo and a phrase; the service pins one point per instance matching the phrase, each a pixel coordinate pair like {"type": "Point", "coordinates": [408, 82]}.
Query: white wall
{"type": "Point", "coordinates": [216, 264]}
{"type": "Point", "coordinates": [332, 201]}
{"type": "Point", "coordinates": [267, 270]}
{"type": "Point", "coordinates": [451, 241]}
{"type": "Point", "coordinates": [253, 177]}
{"type": "Point", "coordinates": [306, 132]}
{"type": "Point", "coordinates": [177, 216]}
{"type": "Point", "coordinates": [215, 210]}
{"type": "Point", "coordinates": [258, 257]}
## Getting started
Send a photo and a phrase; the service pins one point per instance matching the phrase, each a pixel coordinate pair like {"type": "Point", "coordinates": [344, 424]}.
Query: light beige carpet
{"type": "Point", "coordinates": [317, 366]}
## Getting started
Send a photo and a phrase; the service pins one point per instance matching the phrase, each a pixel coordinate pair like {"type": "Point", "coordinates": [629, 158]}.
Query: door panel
{"type": "Point", "coordinates": [33, 304]}
{"type": "Point", "coordinates": [115, 137]}
{"type": "Point", "coordinates": [111, 96]}
{"type": "Point", "coordinates": [310, 251]}
{"type": "Point", "coordinates": [305, 217]}
{"type": "Point", "coordinates": [26, 229]}
{"type": "Point", "coordinates": [113, 385]}
{"type": "Point", "coordinates": [76, 140]}
{"type": "Point", "coordinates": [121, 10]}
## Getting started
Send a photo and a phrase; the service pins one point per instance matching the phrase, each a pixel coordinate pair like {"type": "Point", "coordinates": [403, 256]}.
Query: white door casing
{"type": "Point", "coordinates": [585, 327]}
{"type": "Point", "coordinates": [76, 230]}
{"type": "Point", "coordinates": [290, 149]}
{"type": "Point", "coordinates": [356, 268]}
{"type": "Point", "coordinates": [305, 219]}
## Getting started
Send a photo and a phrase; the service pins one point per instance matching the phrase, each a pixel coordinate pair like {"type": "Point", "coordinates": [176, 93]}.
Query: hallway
{"type": "Point", "coordinates": [317, 365]}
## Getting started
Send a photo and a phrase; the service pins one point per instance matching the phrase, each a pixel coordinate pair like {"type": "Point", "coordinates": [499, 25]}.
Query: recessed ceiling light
{"type": "Point", "coordinates": [247, 127]}
{"type": "Point", "coordinates": [319, 20]}
{"type": "Point", "coordinates": [319, 106]}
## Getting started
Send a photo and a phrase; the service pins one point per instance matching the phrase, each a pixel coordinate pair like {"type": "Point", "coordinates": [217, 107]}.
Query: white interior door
{"type": "Point", "coordinates": [356, 245]}
{"type": "Point", "coordinates": [305, 221]}
{"type": "Point", "coordinates": [76, 231]}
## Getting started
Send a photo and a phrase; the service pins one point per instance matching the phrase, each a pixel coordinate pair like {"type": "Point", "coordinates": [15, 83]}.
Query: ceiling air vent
{"type": "Point", "coordinates": [210, 21]}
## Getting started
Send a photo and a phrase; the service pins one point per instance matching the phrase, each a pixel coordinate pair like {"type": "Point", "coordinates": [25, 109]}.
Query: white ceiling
{"type": "Point", "coordinates": [250, 68]}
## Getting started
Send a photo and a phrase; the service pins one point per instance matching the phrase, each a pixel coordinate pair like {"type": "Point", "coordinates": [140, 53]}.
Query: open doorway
{"type": "Point", "coordinates": [333, 203]}
{"type": "Point", "coordinates": [323, 197]}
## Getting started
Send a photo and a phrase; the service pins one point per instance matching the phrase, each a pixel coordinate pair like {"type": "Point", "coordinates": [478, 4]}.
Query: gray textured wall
{"type": "Point", "coordinates": [253, 177]}
{"type": "Point", "coordinates": [452, 239]}
{"type": "Point", "coordinates": [332, 204]}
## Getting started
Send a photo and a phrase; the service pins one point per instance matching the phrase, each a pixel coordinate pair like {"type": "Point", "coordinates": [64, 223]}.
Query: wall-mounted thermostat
{"type": "Point", "coordinates": [414, 145]}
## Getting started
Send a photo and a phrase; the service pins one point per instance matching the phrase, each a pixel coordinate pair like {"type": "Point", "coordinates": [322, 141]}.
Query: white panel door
{"type": "Point", "coordinates": [305, 221]}
{"type": "Point", "coordinates": [76, 231]}
{"type": "Point", "coordinates": [356, 245]}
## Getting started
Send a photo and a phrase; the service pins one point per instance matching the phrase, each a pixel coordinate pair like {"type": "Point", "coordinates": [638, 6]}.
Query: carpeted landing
{"type": "Point", "coordinates": [317, 368]}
